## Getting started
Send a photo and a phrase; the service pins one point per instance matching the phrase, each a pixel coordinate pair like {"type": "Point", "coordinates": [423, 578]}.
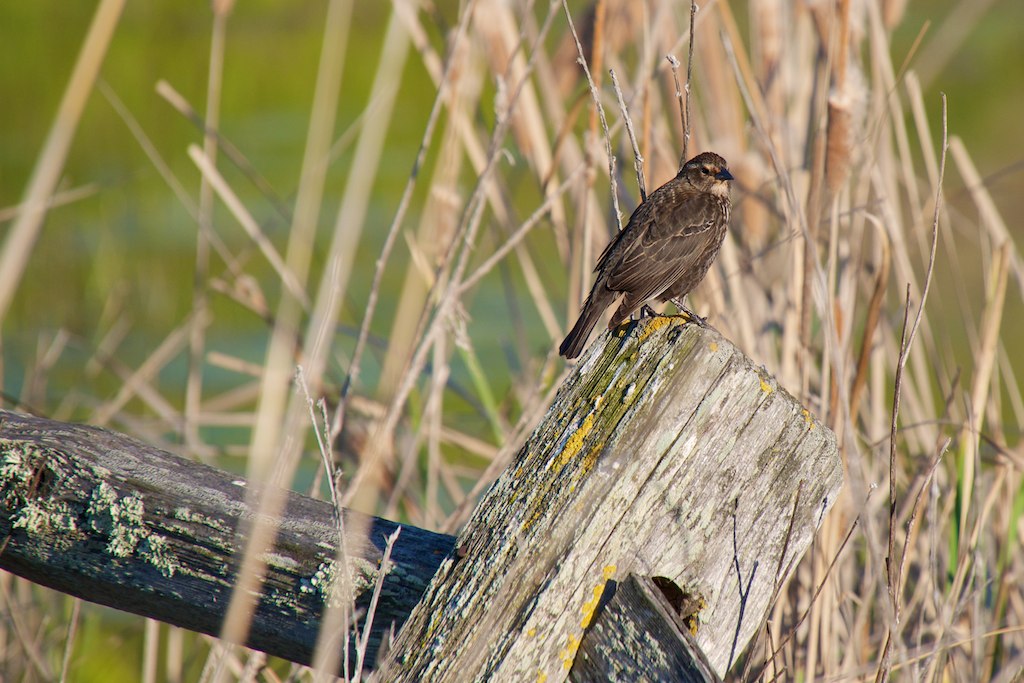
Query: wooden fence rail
{"type": "Point", "coordinates": [666, 454]}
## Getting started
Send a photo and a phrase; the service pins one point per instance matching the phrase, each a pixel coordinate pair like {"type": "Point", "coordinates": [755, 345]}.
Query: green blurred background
{"type": "Point", "coordinates": [126, 249]}
{"type": "Point", "coordinates": [128, 246]}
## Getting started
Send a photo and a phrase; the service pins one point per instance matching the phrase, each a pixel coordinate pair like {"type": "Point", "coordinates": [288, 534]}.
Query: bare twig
{"type": "Point", "coordinates": [684, 119]}
{"type": "Point", "coordinates": [465, 238]}
{"type": "Point", "coordinates": [249, 224]}
{"type": "Point", "coordinates": [638, 159]}
{"type": "Point", "coordinates": [689, 80]}
{"type": "Point", "coordinates": [69, 641]}
{"type": "Point", "coordinates": [892, 572]}
{"type": "Point", "coordinates": [935, 229]}
{"type": "Point", "coordinates": [582, 61]}
{"type": "Point", "coordinates": [396, 222]}
{"type": "Point", "coordinates": [382, 572]}
{"type": "Point", "coordinates": [323, 442]}
{"type": "Point", "coordinates": [230, 151]}
{"type": "Point", "coordinates": [897, 391]}
{"type": "Point", "coordinates": [817, 591]}
{"type": "Point", "coordinates": [516, 237]}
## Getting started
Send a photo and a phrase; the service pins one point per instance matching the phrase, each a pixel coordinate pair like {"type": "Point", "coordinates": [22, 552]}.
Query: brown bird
{"type": "Point", "coordinates": [665, 250]}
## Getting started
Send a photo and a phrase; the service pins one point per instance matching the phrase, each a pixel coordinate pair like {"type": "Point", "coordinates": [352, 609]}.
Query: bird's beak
{"type": "Point", "coordinates": [724, 175]}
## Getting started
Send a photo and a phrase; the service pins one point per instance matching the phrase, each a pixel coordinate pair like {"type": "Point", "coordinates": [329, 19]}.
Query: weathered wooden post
{"type": "Point", "coordinates": [668, 454]}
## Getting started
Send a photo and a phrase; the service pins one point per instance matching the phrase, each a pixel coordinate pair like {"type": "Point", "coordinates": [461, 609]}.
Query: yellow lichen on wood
{"type": "Point", "coordinates": [575, 442]}
{"type": "Point", "coordinates": [568, 653]}
{"type": "Point", "coordinates": [590, 606]}
{"type": "Point", "coordinates": [588, 610]}
{"type": "Point", "coordinates": [658, 323]}
{"type": "Point", "coordinates": [692, 621]}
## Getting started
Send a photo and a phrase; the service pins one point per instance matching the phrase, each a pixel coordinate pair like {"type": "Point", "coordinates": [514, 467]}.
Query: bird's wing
{"type": "Point", "coordinates": [667, 245]}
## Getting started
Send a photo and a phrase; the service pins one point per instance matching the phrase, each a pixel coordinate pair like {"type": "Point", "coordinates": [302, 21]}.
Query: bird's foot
{"type": "Point", "coordinates": [694, 318]}
{"type": "Point", "coordinates": [647, 312]}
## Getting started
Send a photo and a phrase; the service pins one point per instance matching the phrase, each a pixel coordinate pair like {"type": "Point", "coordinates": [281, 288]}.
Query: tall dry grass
{"type": "Point", "coordinates": [839, 231]}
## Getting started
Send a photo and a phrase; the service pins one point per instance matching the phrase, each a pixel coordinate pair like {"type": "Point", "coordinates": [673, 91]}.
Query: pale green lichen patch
{"type": "Point", "coordinates": [15, 466]}
{"type": "Point", "coordinates": [280, 562]}
{"type": "Point", "coordinates": [19, 467]}
{"type": "Point", "coordinates": [120, 519]}
{"type": "Point", "coordinates": [329, 582]}
{"type": "Point", "coordinates": [325, 582]}
{"type": "Point", "coordinates": [192, 517]}
{"type": "Point", "coordinates": [158, 553]}
{"type": "Point", "coordinates": [45, 518]}
{"type": "Point", "coordinates": [28, 482]}
{"type": "Point", "coordinates": [23, 470]}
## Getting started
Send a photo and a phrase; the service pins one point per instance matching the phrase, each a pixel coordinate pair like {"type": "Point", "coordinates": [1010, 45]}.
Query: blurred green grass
{"type": "Point", "coordinates": [133, 240]}
{"type": "Point", "coordinates": [132, 243]}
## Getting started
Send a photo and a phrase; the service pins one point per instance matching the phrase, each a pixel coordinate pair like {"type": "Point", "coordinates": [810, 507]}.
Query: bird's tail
{"type": "Point", "coordinates": [574, 342]}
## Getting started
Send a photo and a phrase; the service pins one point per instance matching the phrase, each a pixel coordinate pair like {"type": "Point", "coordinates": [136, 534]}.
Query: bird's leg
{"type": "Point", "coordinates": [701, 322]}
{"type": "Point", "coordinates": [644, 311]}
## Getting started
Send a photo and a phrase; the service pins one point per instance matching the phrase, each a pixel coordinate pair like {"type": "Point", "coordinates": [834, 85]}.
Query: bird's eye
{"type": "Point", "coordinates": [705, 170]}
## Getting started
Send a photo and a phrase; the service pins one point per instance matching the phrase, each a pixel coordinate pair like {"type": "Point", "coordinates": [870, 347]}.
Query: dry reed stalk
{"type": "Point", "coordinates": [519, 234]}
{"type": "Point", "coordinates": [782, 270]}
{"type": "Point", "coordinates": [147, 145]}
{"type": "Point", "coordinates": [22, 236]}
{"type": "Point", "coordinates": [200, 294]}
{"type": "Point", "coordinates": [398, 351]}
{"type": "Point", "coordinates": [289, 275]}
{"type": "Point", "coordinates": [478, 156]}
{"type": "Point", "coordinates": [275, 445]}
{"type": "Point", "coordinates": [355, 200]}
{"type": "Point", "coordinates": [840, 116]}
{"type": "Point", "coordinates": [870, 327]}
{"type": "Point", "coordinates": [432, 422]}
{"type": "Point", "coordinates": [230, 152]}
{"type": "Point", "coordinates": [150, 650]}
{"type": "Point", "coordinates": [456, 260]}
{"type": "Point", "coordinates": [582, 231]}
{"type": "Point", "coordinates": [141, 382]}
{"type": "Point", "coordinates": [437, 224]}
{"type": "Point", "coordinates": [376, 451]}
{"type": "Point", "coordinates": [597, 114]}
{"type": "Point", "coordinates": [506, 44]}
{"type": "Point", "coordinates": [992, 319]}
{"type": "Point", "coordinates": [57, 199]}
{"type": "Point", "coordinates": [69, 640]}
{"type": "Point", "coordinates": [991, 220]}
{"type": "Point", "coordinates": [26, 636]}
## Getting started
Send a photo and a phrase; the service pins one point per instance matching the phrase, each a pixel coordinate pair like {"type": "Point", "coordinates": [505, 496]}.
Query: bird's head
{"type": "Point", "coordinates": [708, 172]}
